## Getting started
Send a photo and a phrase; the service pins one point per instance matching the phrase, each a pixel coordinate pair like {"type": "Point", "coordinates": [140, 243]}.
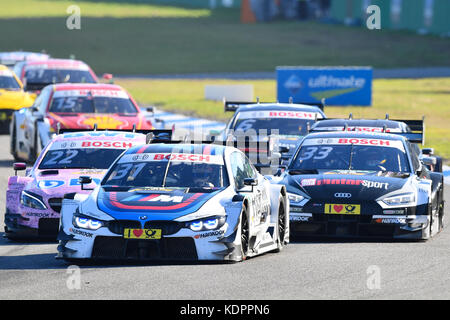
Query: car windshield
{"type": "Point", "coordinates": [8, 82]}
{"type": "Point", "coordinates": [282, 126]}
{"type": "Point", "coordinates": [83, 158]}
{"type": "Point", "coordinates": [58, 76]}
{"type": "Point", "coordinates": [342, 154]}
{"type": "Point", "coordinates": [89, 104]}
{"type": "Point", "coordinates": [166, 173]}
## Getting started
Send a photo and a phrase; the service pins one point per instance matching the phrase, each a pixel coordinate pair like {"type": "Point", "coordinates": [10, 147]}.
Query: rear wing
{"type": "Point", "coordinates": [260, 153]}
{"type": "Point", "coordinates": [133, 130]}
{"type": "Point", "coordinates": [415, 135]}
{"type": "Point", "coordinates": [232, 106]}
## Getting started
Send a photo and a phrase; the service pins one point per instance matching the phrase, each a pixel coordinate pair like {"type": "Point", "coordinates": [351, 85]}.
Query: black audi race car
{"type": "Point", "coordinates": [414, 130]}
{"type": "Point", "coordinates": [279, 125]}
{"type": "Point", "coordinates": [357, 184]}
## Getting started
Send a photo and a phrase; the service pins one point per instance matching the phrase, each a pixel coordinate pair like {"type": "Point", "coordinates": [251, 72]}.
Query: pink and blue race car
{"type": "Point", "coordinates": [33, 201]}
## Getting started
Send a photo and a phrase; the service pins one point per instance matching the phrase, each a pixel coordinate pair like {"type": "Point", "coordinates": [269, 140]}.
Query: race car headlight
{"type": "Point", "coordinates": [84, 222]}
{"type": "Point", "coordinates": [401, 199]}
{"type": "Point", "coordinates": [206, 224]}
{"type": "Point", "coordinates": [32, 200]}
{"type": "Point", "coordinates": [295, 198]}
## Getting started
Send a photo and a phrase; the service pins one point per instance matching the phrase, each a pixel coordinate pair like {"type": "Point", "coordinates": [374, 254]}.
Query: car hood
{"type": "Point", "coordinates": [152, 203]}
{"type": "Point", "coordinates": [59, 182]}
{"type": "Point", "coordinates": [362, 186]}
{"type": "Point", "coordinates": [103, 121]}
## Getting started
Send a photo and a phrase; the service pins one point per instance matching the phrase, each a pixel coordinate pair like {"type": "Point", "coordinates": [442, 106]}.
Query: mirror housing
{"type": "Point", "coordinates": [428, 161]}
{"type": "Point", "coordinates": [280, 170]}
{"type": "Point", "coordinates": [250, 182]}
{"type": "Point", "coordinates": [428, 151]}
{"type": "Point", "coordinates": [109, 77]}
{"type": "Point", "coordinates": [19, 166]}
{"type": "Point", "coordinates": [283, 149]}
{"type": "Point", "coordinates": [82, 180]}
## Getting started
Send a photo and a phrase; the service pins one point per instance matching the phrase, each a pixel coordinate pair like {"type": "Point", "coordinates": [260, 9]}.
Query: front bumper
{"type": "Point", "coordinates": [182, 245]}
{"type": "Point", "coordinates": [16, 226]}
{"type": "Point", "coordinates": [360, 226]}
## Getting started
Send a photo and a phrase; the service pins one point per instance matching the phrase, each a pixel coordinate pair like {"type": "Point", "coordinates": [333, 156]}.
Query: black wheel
{"type": "Point", "coordinates": [245, 233]}
{"type": "Point", "coordinates": [281, 225]}
{"type": "Point", "coordinates": [32, 153]}
{"type": "Point", "coordinates": [441, 210]}
{"type": "Point", "coordinates": [438, 166]}
{"type": "Point", "coordinates": [13, 140]}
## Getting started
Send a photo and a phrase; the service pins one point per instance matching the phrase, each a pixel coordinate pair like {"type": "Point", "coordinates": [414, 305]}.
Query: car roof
{"type": "Point", "coordinates": [58, 62]}
{"type": "Point", "coordinates": [86, 86]}
{"type": "Point", "coordinates": [355, 134]}
{"type": "Point", "coordinates": [278, 106]}
{"type": "Point", "coordinates": [379, 123]}
{"type": "Point", "coordinates": [100, 135]}
{"type": "Point", "coordinates": [205, 149]}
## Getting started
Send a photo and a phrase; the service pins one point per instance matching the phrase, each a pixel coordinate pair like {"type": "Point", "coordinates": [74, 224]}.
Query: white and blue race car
{"type": "Point", "coordinates": [176, 202]}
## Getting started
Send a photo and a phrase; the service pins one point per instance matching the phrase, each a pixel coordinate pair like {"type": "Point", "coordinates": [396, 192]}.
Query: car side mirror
{"type": "Point", "coordinates": [283, 149]}
{"type": "Point", "coordinates": [250, 182]}
{"type": "Point", "coordinates": [429, 162]}
{"type": "Point", "coordinates": [85, 180]}
{"type": "Point", "coordinates": [280, 170]}
{"type": "Point", "coordinates": [109, 77]}
{"type": "Point", "coordinates": [19, 166]}
{"type": "Point", "coordinates": [428, 151]}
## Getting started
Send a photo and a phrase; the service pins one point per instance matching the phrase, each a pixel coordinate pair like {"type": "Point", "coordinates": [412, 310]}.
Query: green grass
{"type": "Point", "coordinates": [402, 99]}
{"type": "Point", "coordinates": [58, 8]}
{"type": "Point", "coordinates": [132, 38]}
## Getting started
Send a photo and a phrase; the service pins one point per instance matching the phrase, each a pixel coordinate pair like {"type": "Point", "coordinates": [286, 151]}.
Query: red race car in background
{"type": "Point", "coordinates": [35, 75]}
{"type": "Point", "coordinates": [73, 106]}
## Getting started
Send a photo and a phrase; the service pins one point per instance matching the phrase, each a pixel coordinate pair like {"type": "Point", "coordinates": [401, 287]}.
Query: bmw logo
{"type": "Point", "coordinates": [143, 217]}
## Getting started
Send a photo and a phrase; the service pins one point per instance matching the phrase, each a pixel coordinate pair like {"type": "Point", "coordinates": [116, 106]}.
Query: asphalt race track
{"type": "Point", "coordinates": [303, 270]}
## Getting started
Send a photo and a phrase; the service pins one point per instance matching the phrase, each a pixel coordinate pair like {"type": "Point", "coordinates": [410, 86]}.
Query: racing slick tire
{"type": "Point", "coordinates": [281, 225]}
{"type": "Point", "coordinates": [440, 209]}
{"type": "Point", "coordinates": [244, 233]}
{"type": "Point", "coordinates": [438, 166]}
{"type": "Point", "coordinates": [13, 141]}
{"type": "Point", "coordinates": [441, 216]}
{"type": "Point", "coordinates": [32, 153]}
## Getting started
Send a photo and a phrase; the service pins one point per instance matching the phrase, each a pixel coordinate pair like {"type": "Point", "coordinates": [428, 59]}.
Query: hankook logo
{"type": "Point", "coordinates": [342, 195]}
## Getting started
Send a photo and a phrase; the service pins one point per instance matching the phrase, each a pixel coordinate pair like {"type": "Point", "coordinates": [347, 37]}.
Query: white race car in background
{"type": "Point", "coordinates": [176, 202]}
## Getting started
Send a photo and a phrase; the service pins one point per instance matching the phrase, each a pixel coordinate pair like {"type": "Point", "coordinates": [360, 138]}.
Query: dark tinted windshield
{"type": "Point", "coordinates": [86, 158]}
{"type": "Point", "coordinates": [8, 82]}
{"type": "Point", "coordinates": [276, 121]}
{"type": "Point", "coordinates": [91, 104]}
{"type": "Point", "coordinates": [58, 76]}
{"type": "Point", "coordinates": [167, 174]}
{"type": "Point", "coordinates": [347, 156]}
{"type": "Point", "coordinates": [295, 127]}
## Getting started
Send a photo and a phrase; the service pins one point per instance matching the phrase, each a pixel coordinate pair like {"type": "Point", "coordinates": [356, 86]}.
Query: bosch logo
{"type": "Point", "coordinates": [342, 195]}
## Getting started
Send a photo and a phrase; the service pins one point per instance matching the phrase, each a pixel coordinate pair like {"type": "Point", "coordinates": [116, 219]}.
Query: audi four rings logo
{"type": "Point", "coordinates": [342, 195]}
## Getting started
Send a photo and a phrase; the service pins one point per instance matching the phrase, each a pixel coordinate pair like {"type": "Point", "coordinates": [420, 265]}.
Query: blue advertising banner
{"type": "Point", "coordinates": [339, 86]}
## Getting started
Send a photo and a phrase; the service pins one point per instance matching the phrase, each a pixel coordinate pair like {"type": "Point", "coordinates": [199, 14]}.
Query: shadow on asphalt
{"type": "Point", "coordinates": [7, 164]}
{"type": "Point", "coordinates": [43, 261]}
{"type": "Point", "coordinates": [330, 240]}
{"type": "Point", "coordinates": [4, 241]}
{"type": "Point", "coordinates": [48, 261]}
